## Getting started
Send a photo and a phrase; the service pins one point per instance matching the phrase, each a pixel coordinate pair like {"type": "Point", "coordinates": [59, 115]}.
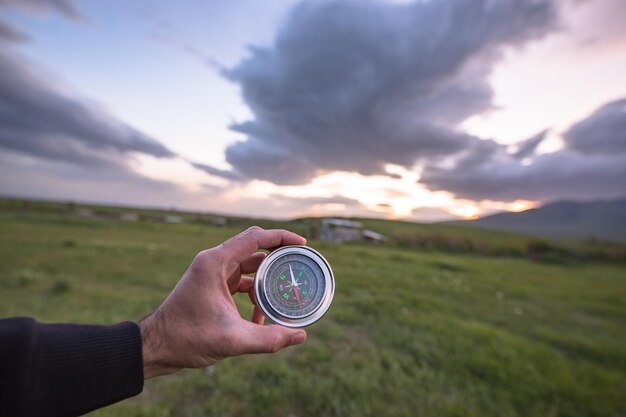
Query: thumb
{"type": "Point", "coordinates": [257, 338]}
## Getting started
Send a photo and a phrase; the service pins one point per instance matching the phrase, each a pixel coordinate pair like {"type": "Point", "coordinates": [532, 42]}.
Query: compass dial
{"type": "Point", "coordinates": [294, 286]}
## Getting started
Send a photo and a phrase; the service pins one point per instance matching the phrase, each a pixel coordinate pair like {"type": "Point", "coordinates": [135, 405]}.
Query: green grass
{"type": "Point", "coordinates": [409, 333]}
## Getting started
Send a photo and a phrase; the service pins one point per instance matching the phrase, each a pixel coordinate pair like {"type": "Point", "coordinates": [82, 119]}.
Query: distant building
{"type": "Point", "coordinates": [342, 230]}
{"type": "Point", "coordinates": [371, 236]}
{"type": "Point", "coordinates": [173, 219]}
{"type": "Point", "coordinates": [84, 212]}
{"type": "Point", "coordinates": [129, 217]}
{"type": "Point", "coordinates": [220, 221]}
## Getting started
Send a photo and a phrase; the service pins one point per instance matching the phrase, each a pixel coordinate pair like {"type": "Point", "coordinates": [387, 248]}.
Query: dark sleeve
{"type": "Point", "coordinates": [66, 369]}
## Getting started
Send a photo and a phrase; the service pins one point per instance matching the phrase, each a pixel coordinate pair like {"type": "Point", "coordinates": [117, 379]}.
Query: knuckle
{"type": "Point", "coordinates": [201, 259]}
{"type": "Point", "coordinates": [199, 263]}
{"type": "Point", "coordinates": [221, 260]}
{"type": "Point", "coordinates": [250, 234]}
{"type": "Point", "coordinates": [218, 254]}
{"type": "Point", "coordinates": [253, 232]}
{"type": "Point", "coordinates": [206, 258]}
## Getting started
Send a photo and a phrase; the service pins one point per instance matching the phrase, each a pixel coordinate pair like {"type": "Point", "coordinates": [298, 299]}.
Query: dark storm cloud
{"type": "Point", "coordinates": [604, 132]}
{"type": "Point", "coordinates": [558, 175]}
{"type": "Point", "coordinates": [229, 175]}
{"type": "Point", "coordinates": [353, 85]}
{"type": "Point", "coordinates": [591, 165]}
{"type": "Point", "coordinates": [528, 147]}
{"type": "Point", "coordinates": [9, 33]}
{"type": "Point", "coordinates": [41, 121]}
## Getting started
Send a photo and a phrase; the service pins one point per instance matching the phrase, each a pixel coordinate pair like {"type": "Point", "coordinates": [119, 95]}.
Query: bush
{"type": "Point", "coordinates": [60, 287]}
{"type": "Point", "coordinates": [69, 243]}
{"type": "Point", "coordinates": [535, 249]}
{"type": "Point", "coordinates": [538, 247]}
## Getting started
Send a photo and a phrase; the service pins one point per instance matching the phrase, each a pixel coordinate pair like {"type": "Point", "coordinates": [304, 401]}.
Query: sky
{"type": "Point", "coordinates": [422, 110]}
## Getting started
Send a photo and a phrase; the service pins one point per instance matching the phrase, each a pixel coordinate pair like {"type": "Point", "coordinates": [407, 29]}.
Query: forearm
{"type": "Point", "coordinates": [64, 369]}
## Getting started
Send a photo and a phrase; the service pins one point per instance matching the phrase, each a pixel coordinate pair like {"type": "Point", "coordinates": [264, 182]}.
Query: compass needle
{"type": "Point", "coordinates": [297, 291]}
{"type": "Point", "coordinates": [293, 280]}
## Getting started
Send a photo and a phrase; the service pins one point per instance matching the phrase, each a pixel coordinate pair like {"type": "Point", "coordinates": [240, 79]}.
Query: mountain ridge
{"type": "Point", "coordinates": [601, 219]}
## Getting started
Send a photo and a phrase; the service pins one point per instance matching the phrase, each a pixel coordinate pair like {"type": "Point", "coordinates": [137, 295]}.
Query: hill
{"type": "Point", "coordinates": [604, 220]}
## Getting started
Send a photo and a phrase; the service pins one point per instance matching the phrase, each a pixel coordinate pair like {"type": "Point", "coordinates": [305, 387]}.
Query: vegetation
{"type": "Point", "coordinates": [412, 331]}
{"type": "Point", "coordinates": [455, 238]}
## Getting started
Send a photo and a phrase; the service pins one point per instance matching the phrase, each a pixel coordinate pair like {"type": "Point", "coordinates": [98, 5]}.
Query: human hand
{"type": "Point", "coordinates": [198, 323]}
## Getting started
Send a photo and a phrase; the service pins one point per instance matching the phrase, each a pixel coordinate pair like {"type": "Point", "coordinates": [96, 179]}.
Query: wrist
{"type": "Point", "coordinates": [154, 347]}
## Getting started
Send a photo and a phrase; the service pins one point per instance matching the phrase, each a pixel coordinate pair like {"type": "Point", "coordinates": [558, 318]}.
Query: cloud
{"type": "Point", "coordinates": [24, 176]}
{"type": "Point", "coordinates": [65, 7]}
{"type": "Point", "coordinates": [354, 85]}
{"type": "Point", "coordinates": [281, 206]}
{"type": "Point", "coordinates": [431, 214]}
{"type": "Point", "coordinates": [554, 176]}
{"type": "Point", "coordinates": [304, 203]}
{"type": "Point", "coordinates": [591, 165]}
{"type": "Point", "coordinates": [40, 121]}
{"type": "Point", "coordinates": [11, 34]}
{"type": "Point", "coordinates": [602, 133]}
{"type": "Point", "coordinates": [55, 144]}
{"type": "Point", "coordinates": [229, 175]}
{"type": "Point", "coordinates": [528, 147]}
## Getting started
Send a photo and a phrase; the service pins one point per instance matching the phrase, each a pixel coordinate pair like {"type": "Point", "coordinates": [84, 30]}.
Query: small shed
{"type": "Point", "coordinates": [372, 236]}
{"type": "Point", "coordinates": [340, 230]}
{"type": "Point", "coordinates": [173, 219]}
{"type": "Point", "coordinates": [129, 217]}
{"type": "Point", "coordinates": [84, 212]}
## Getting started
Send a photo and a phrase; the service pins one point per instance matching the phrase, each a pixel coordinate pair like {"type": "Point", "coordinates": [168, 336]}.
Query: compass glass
{"type": "Point", "coordinates": [294, 285]}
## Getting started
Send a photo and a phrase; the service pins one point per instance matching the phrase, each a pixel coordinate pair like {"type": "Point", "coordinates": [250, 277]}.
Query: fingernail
{"type": "Point", "coordinates": [298, 338]}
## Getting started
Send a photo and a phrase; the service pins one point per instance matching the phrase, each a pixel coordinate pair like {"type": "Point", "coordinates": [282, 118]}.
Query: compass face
{"type": "Point", "coordinates": [294, 286]}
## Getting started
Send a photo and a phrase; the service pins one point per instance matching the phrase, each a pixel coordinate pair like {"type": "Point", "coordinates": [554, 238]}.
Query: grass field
{"type": "Point", "coordinates": [410, 333]}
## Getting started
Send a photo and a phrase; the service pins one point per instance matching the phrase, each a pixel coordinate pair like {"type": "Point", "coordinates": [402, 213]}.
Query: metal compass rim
{"type": "Point", "coordinates": [261, 297]}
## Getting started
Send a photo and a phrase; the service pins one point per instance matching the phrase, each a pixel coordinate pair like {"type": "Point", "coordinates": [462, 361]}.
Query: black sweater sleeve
{"type": "Point", "coordinates": [66, 369]}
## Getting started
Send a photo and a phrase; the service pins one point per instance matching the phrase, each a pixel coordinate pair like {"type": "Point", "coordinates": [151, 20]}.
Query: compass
{"type": "Point", "coordinates": [294, 286]}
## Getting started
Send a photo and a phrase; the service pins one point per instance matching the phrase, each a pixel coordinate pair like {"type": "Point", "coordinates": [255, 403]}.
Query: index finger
{"type": "Point", "coordinates": [244, 244]}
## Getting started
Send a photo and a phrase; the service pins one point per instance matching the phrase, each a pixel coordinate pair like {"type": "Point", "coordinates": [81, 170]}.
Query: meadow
{"type": "Point", "coordinates": [412, 331]}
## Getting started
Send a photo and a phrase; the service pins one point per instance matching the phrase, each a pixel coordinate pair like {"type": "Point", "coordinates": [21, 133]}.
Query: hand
{"type": "Point", "coordinates": [198, 323]}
